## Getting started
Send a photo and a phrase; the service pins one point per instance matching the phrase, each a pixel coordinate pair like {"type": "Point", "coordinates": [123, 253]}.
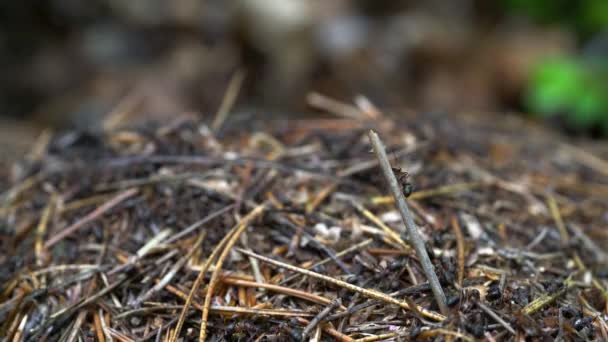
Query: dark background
{"type": "Point", "coordinates": [67, 63]}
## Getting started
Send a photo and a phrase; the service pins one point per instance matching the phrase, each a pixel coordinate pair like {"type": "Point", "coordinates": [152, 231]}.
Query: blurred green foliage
{"type": "Point", "coordinates": [585, 17]}
{"type": "Point", "coordinates": [573, 88]}
{"type": "Point", "coordinates": [576, 89]}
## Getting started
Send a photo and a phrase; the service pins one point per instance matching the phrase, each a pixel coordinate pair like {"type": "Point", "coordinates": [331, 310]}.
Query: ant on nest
{"type": "Point", "coordinates": [402, 178]}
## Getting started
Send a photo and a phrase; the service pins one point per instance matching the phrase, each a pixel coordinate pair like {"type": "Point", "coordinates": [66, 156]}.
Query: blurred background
{"type": "Point", "coordinates": [68, 63]}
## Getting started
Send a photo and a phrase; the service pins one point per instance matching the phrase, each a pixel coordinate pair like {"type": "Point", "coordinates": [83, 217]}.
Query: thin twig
{"type": "Point", "coordinates": [122, 110]}
{"type": "Point", "coordinates": [460, 248]}
{"type": "Point", "coordinates": [414, 235]}
{"type": "Point", "coordinates": [98, 328]}
{"type": "Point", "coordinates": [285, 221]}
{"type": "Point", "coordinates": [442, 331]}
{"type": "Point", "coordinates": [326, 260]}
{"type": "Point", "coordinates": [495, 317]}
{"type": "Point", "coordinates": [237, 231]}
{"type": "Point", "coordinates": [546, 299]}
{"type": "Point", "coordinates": [229, 98]}
{"type": "Point", "coordinates": [423, 194]}
{"type": "Point", "coordinates": [172, 272]}
{"type": "Point", "coordinates": [378, 337]}
{"type": "Point", "coordinates": [328, 329]}
{"type": "Point", "coordinates": [196, 285]}
{"type": "Point", "coordinates": [557, 217]}
{"type": "Point", "coordinates": [588, 159]}
{"type": "Point", "coordinates": [217, 309]}
{"type": "Point", "coordinates": [365, 292]}
{"type": "Point", "coordinates": [196, 225]}
{"type": "Point", "coordinates": [90, 217]}
{"type": "Point", "coordinates": [319, 317]}
{"type": "Point", "coordinates": [588, 243]}
{"type": "Point", "coordinates": [41, 230]}
{"type": "Point", "coordinates": [333, 106]}
{"type": "Point", "coordinates": [280, 289]}
{"type": "Point", "coordinates": [396, 238]}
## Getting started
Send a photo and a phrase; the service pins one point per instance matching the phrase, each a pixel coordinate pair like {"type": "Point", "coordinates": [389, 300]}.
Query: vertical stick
{"type": "Point", "coordinates": [414, 235]}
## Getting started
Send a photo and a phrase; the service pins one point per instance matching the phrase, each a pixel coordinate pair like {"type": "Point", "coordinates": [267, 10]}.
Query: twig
{"type": "Point", "coordinates": [196, 285]}
{"type": "Point", "coordinates": [545, 300]}
{"type": "Point", "coordinates": [588, 243]}
{"type": "Point", "coordinates": [442, 331]}
{"type": "Point", "coordinates": [319, 317]}
{"type": "Point", "coordinates": [313, 241]}
{"type": "Point", "coordinates": [495, 317]}
{"type": "Point", "coordinates": [320, 197]}
{"type": "Point", "coordinates": [229, 98]}
{"type": "Point", "coordinates": [387, 230]}
{"type": "Point", "coordinates": [378, 337]}
{"type": "Point", "coordinates": [90, 217]}
{"type": "Point", "coordinates": [326, 260]}
{"type": "Point", "coordinates": [330, 105]}
{"type": "Point", "coordinates": [316, 337]}
{"type": "Point", "coordinates": [209, 160]}
{"type": "Point", "coordinates": [557, 217]}
{"type": "Point", "coordinates": [119, 335]}
{"type": "Point", "coordinates": [365, 292]}
{"type": "Point", "coordinates": [198, 224]}
{"type": "Point", "coordinates": [98, 328]}
{"type": "Point", "coordinates": [460, 248]}
{"type": "Point", "coordinates": [359, 307]}
{"type": "Point", "coordinates": [328, 329]}
{"type": "Point", "coordinates": [593, 162]}
{"type": "Point", "coordinates": [216, 309]}
{"type": "Point", "coordinates": [280, 289]}
{"type": "Point", "coordinates": [172, 272]}
{"type": "Point", "coordinates": [123, 109]}
{"type": "Point", "coordinates": [414, 235]}
{"type": "Point", "coordinates": [422, 194]}
{"type": "Point", "coordinates": [234, 236]}
{"type": "Point", "coordinates": [41, 230]}
{"type": "Point", "coordinates": [154, 179]}
{"type": "Point", "coordinates": [83, 313]}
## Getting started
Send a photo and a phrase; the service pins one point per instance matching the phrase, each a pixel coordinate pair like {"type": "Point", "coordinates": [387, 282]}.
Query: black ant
{"type": "Point", "coordinates": [402, 178]}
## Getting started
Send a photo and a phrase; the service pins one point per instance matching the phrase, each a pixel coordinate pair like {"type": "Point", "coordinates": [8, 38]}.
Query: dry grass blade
{"type": "Point", "coordinates": [386, 229]}
{"type": "Point", "coordinates": [41, 230]}
{"type": "Point", "coordinates": [122, 110]}
{"type": "Point", "coordinates": [196, 285]}
{"type": "Point", "coordinates": [423, 194]}
{"type": "Point", "coordinates": [239, 310]}
{"type": "Point", "coordinates": [545, 300]}
{"type": "Point", "coordinates": [229, 98]}
{"type": "Point", "coordinates": [333, 106]}
{"type": "Point", "coordinates": [328, 329]}
{"type": "Point", "coordinates": [90, 217]}
{"type": "Point", "coordinates": [319, 317]}
{"type": "Point", "coordinates": [588, 159]}
{"type": "Point", "coordinates": [557, 217]}
{"type": "Point", "coordinates": [234, 236]}
{"type": "Point", "coordinates": [172, 272]}
{"type": "Point", "coordinates": [326, 260]}
{"type": "Point", "coordinates": [497, 318]}
{"type": "Point", "coordinates": [441, 331]}
{"type": "Point", "coordinates": [280, 289]}
{"type": "Point", "coordinates": [460, 249]}
{"type": "Point", "coordinates": [365, 292]}
{"type": "Point", "coordinates": [377, 337]}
